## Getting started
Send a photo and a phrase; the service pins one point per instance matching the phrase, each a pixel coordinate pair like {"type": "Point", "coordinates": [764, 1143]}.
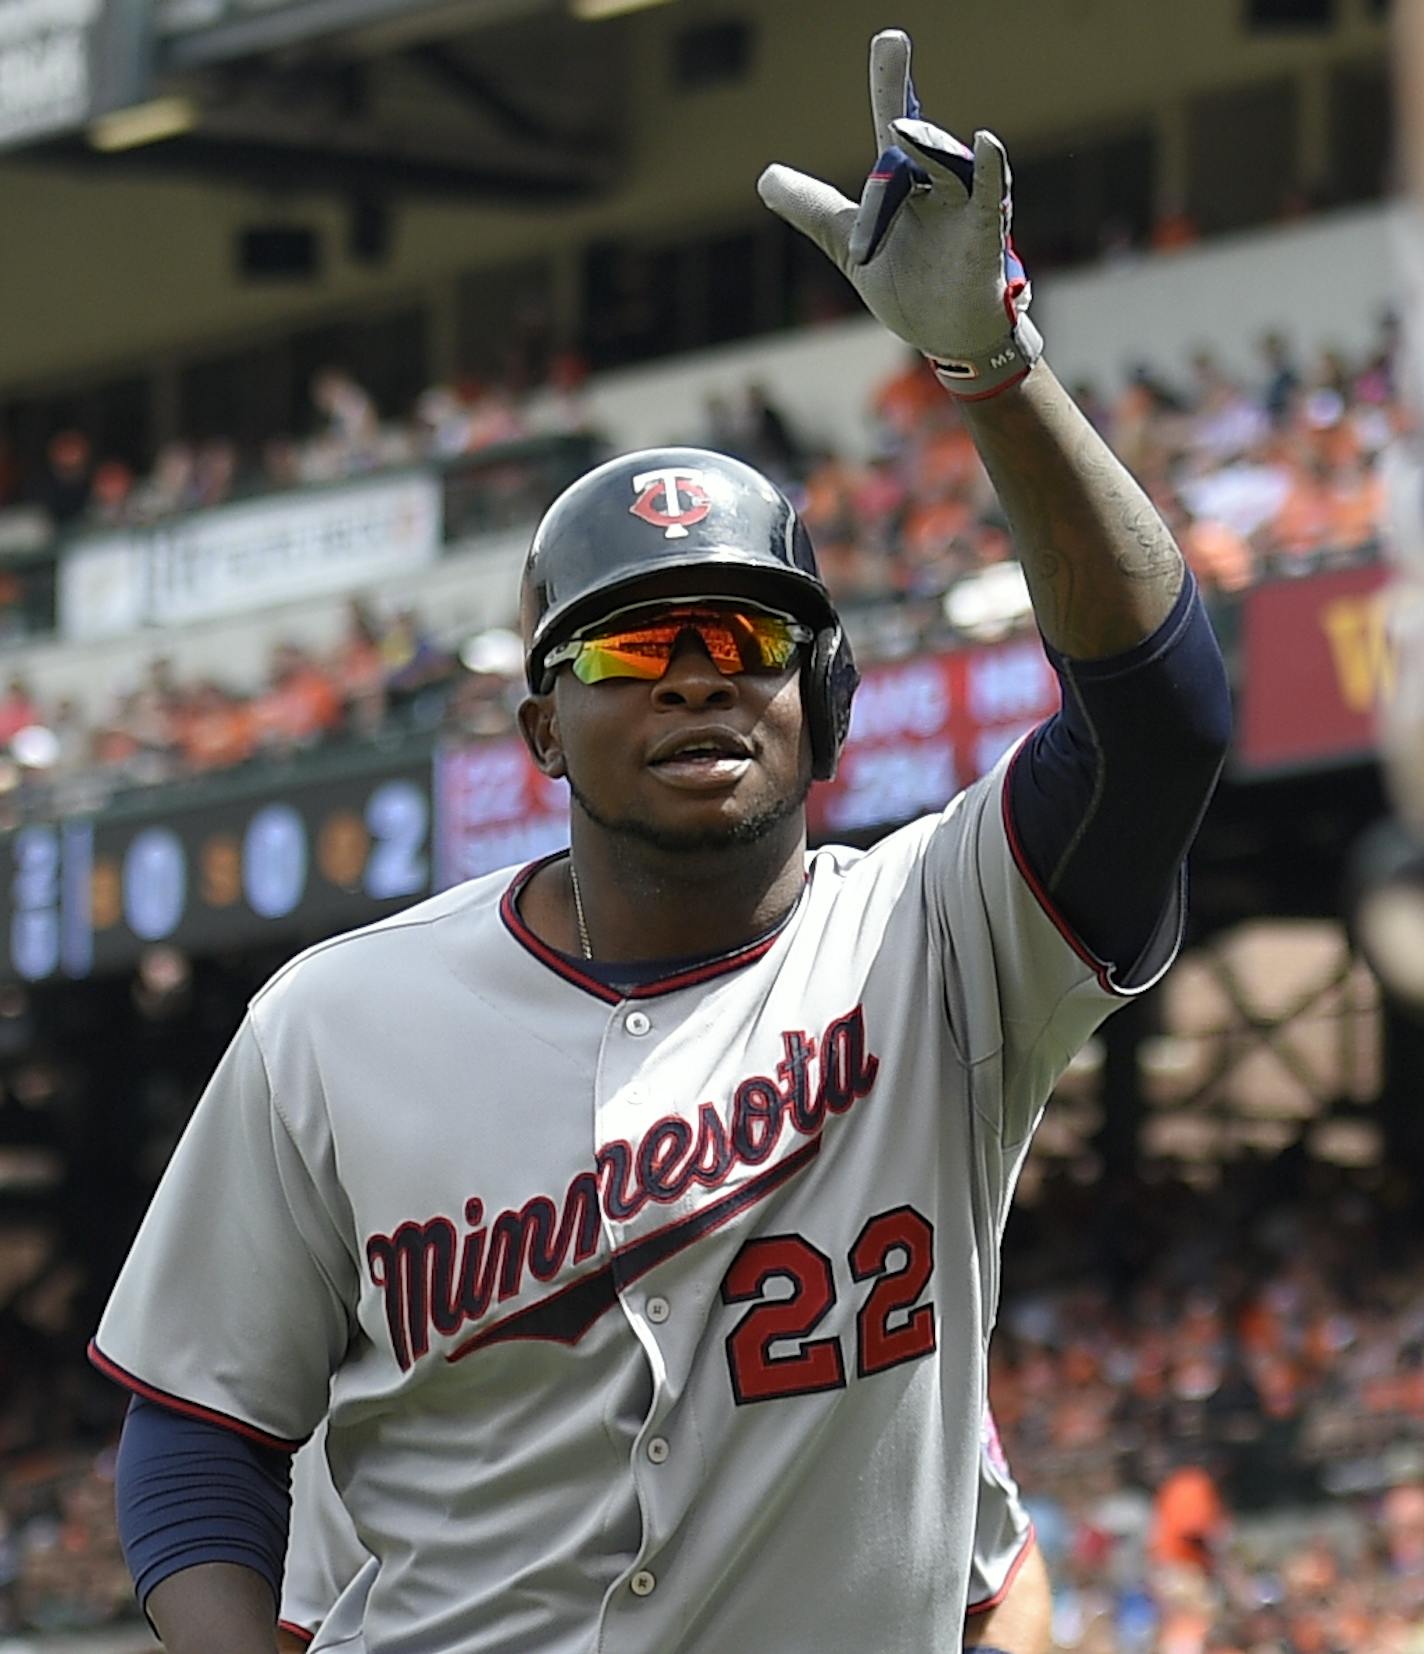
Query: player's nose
{"type": "Point", "coordinates": [691, 678]}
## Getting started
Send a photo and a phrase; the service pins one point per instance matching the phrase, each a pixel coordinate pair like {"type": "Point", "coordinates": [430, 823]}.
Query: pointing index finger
{"type": "Point", "coordinates": [890, 95]}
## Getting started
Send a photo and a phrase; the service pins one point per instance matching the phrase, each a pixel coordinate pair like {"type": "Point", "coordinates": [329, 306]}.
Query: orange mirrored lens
{"type": "Point", "coordinates": [735, 641]}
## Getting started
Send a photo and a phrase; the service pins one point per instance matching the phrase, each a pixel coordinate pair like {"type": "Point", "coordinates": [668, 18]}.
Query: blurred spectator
{"type": "Point", "coordinates": [565, 406]}
{"type": "Point", "coordinates": [110, 491]}
{"type": "Point", "coordinates": [214, 472]}
{"type": "Point", "coordinates": [18, 709]}
{"type": "Point", "coordinates": [1174, 228]}
{"type": "Point", "coordinates": [752, 428]}
{"type": "Point", "coordinates": [216, 729]}
{"type": "Point", "coordinates": [719, 424]}
{"type": "Point", "coordinates": [358, 670]}
{"type": "Point", "coordinates": [771, 443]}
{"type": "Point", "coordinates": [1226, 421]}
{"type": "Point", "coordinates": [1216, 554]}
{"type": "Point", "coordinates": [348, 440]}
{"type": "Point", "coordinates": [491, 413]}
{"type": "Point", "coordinates": [1244, 495]}
{"type": "Point", "coordinates": [414, 662]}
{"type": "Point", "coordinates": [1304, 520]}
{"type": "Point", "coordinates": [1095, 410]}
{"type": "Point", "coordinates": [1282, 376]}
{"type": "Point", "coordinates": [442, 423]}
{"type": "Point", "coordinates": [63, 490]}
{"type": "Point", "coordinates": [1188, 1520]}
{"type": "Point", "coordinates": [170, 487]}
{"type": "Point", "coordinates": [301, 705]}
{"type": "Point", "coordinates": [71, 736]}
{"type": "Point", "coordinates": [906, 399]}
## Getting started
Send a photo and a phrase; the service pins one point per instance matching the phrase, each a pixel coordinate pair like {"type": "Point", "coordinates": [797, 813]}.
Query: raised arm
{"type": "Point", "coordinates": [1102, 568]}
{"type": "Point", "coordinates": [929, 250]}
{"type": "Point", "coordinates": [1105, 798]}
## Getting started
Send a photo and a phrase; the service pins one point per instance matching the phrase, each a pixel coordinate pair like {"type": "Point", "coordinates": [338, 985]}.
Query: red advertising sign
{"type": "Point", "coordinates": [1316, 667]}
{"type": "Point", "coordinates": [493, 809]}
{"type": "Point", "coordinates": [925, 728]}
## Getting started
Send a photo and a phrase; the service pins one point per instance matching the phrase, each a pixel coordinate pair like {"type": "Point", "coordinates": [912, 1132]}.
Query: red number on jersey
{"type": "Point", "coordinates": [878, 1344]}
{"type": "Point", "coordinates": [757, 1374]}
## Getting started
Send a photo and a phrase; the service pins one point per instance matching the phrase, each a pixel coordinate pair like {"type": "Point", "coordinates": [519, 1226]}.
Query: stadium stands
{"type": "Point", "coordinates": [1261, 473]}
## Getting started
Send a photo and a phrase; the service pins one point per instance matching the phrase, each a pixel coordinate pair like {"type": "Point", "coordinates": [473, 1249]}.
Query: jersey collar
{"type": "Point", "coordinates": [683, 975]}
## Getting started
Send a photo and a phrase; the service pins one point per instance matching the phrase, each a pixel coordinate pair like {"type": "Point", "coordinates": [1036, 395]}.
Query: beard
{"type": "Point", "coordinates": [750, 829]}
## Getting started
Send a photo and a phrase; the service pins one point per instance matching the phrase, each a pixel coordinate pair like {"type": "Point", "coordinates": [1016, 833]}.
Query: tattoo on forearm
{"type": "Point", "coordinates": [1050, 580]}
{"type": "Point", "coordinates": [1102, 566]}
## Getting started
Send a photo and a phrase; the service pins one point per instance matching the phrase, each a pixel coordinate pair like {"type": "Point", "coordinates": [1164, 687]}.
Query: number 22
{"type": "Point", "coordinates": [819, 1363]}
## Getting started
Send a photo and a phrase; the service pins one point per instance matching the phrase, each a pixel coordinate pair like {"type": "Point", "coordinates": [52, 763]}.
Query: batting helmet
{"type": "Point", "coordinates": [685, 522]}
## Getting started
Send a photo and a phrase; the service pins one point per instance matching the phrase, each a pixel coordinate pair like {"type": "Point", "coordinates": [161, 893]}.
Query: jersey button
{"type": "Point", "coordinates": [658, 1310]}
{"type": "Point", "coordinates": [637, 1023]}
{"type": "Point", "coordinates": [643, 1583]}
{"type": "Point", "coordinates": [658, 1450]}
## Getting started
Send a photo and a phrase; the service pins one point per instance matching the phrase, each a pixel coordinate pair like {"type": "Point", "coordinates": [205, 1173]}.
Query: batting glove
{"type": "Point", "coordinates": [927, 246]}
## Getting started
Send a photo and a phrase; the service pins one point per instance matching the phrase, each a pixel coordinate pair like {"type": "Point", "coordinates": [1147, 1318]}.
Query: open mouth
{"type": "Point", "coordinates": [702, 760]}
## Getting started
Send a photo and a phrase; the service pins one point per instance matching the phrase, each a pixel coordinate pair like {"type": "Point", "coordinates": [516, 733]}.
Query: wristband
{"type": "Point", "coordinates": [976, 378]}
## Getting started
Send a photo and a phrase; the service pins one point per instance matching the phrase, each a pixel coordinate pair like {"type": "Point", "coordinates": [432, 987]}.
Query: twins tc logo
{"type": "Point", "coordinates": [670, 499]}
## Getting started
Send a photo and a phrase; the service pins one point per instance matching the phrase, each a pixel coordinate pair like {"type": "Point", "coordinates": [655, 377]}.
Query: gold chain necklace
{"type": "Point", "coordinates": [584, 942]}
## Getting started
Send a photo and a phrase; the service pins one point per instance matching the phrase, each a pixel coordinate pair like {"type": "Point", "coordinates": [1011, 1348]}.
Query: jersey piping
{"type": "Point", "coordinates": [1099, 967]}
{"type": "Point", "coordinates": [983, 1606]}
{"type": "Point", "coordinates": [192, 1409]}
{"type": "Point", "coordinates": [567, 968]}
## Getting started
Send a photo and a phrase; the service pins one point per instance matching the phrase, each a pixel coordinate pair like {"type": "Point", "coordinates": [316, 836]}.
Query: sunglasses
{"type": "Point", "coordinates": [738, 638]}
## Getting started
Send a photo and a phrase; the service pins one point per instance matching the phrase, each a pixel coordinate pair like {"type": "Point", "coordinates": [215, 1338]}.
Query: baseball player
{"type": "Point", "coordinates": [1009, 1604]}
{"type": "Point", "coordinates": [635, 1214]}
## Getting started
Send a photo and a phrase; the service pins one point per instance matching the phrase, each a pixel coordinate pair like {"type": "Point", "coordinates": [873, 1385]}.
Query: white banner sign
{"type": "Point", "coordinates": [236, 558]}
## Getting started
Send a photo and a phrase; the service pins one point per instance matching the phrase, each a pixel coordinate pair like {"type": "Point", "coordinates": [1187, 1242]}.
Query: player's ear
{"type": "Point", "coordinates": [539, 725]}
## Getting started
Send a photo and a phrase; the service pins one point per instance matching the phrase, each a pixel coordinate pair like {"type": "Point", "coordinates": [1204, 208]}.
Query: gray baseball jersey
{"type": "Point", "coordinates": [649, 1323]}
{"type": "Point", "coordinates": [325, 1556]}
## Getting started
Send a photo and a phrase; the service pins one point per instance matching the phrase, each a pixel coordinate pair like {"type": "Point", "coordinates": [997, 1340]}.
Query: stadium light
{"type": "Point", "coordinates": [143, 123]}
{"type": "Point", "coordinates": [592, 11]}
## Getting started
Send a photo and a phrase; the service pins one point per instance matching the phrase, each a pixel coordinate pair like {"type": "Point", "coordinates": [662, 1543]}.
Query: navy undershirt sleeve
{"type": "Point", "coordinates": [1107, 795]}
{"type": "Point", "coordinates": [188, 1492]}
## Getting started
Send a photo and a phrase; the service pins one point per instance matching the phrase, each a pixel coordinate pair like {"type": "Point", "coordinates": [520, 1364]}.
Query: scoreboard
{"type": "Point", "coordinates": [86, 895]}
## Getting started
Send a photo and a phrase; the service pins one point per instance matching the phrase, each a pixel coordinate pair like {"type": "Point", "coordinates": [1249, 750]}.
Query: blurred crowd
{"type": "Point", "coordinates": [1260, 474]}
{"type": "Point", "coordinates": [1172, 1370]}
{"type": "Point", "coordinates": [77, 487]}
{"type": "Point", "coordinates": [1275, 456]}
{"type": "Point", "coordinates": [387, 676]}
{"type": "Point", "coordinates": [1270, 469]}
{"type": "Point", "coordinates": [61, 1568]}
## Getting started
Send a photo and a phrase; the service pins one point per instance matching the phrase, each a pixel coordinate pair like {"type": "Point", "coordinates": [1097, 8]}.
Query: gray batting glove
{"type": "Point", "coordinates": [927, 246]}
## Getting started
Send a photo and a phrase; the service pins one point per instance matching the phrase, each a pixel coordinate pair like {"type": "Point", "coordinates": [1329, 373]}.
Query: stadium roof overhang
{"type": "Point", "coordinates": [511, 101]}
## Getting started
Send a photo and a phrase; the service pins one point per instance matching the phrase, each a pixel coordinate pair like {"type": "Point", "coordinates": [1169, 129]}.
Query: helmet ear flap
{"type": "Point", "coordinates": [829, 680]}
